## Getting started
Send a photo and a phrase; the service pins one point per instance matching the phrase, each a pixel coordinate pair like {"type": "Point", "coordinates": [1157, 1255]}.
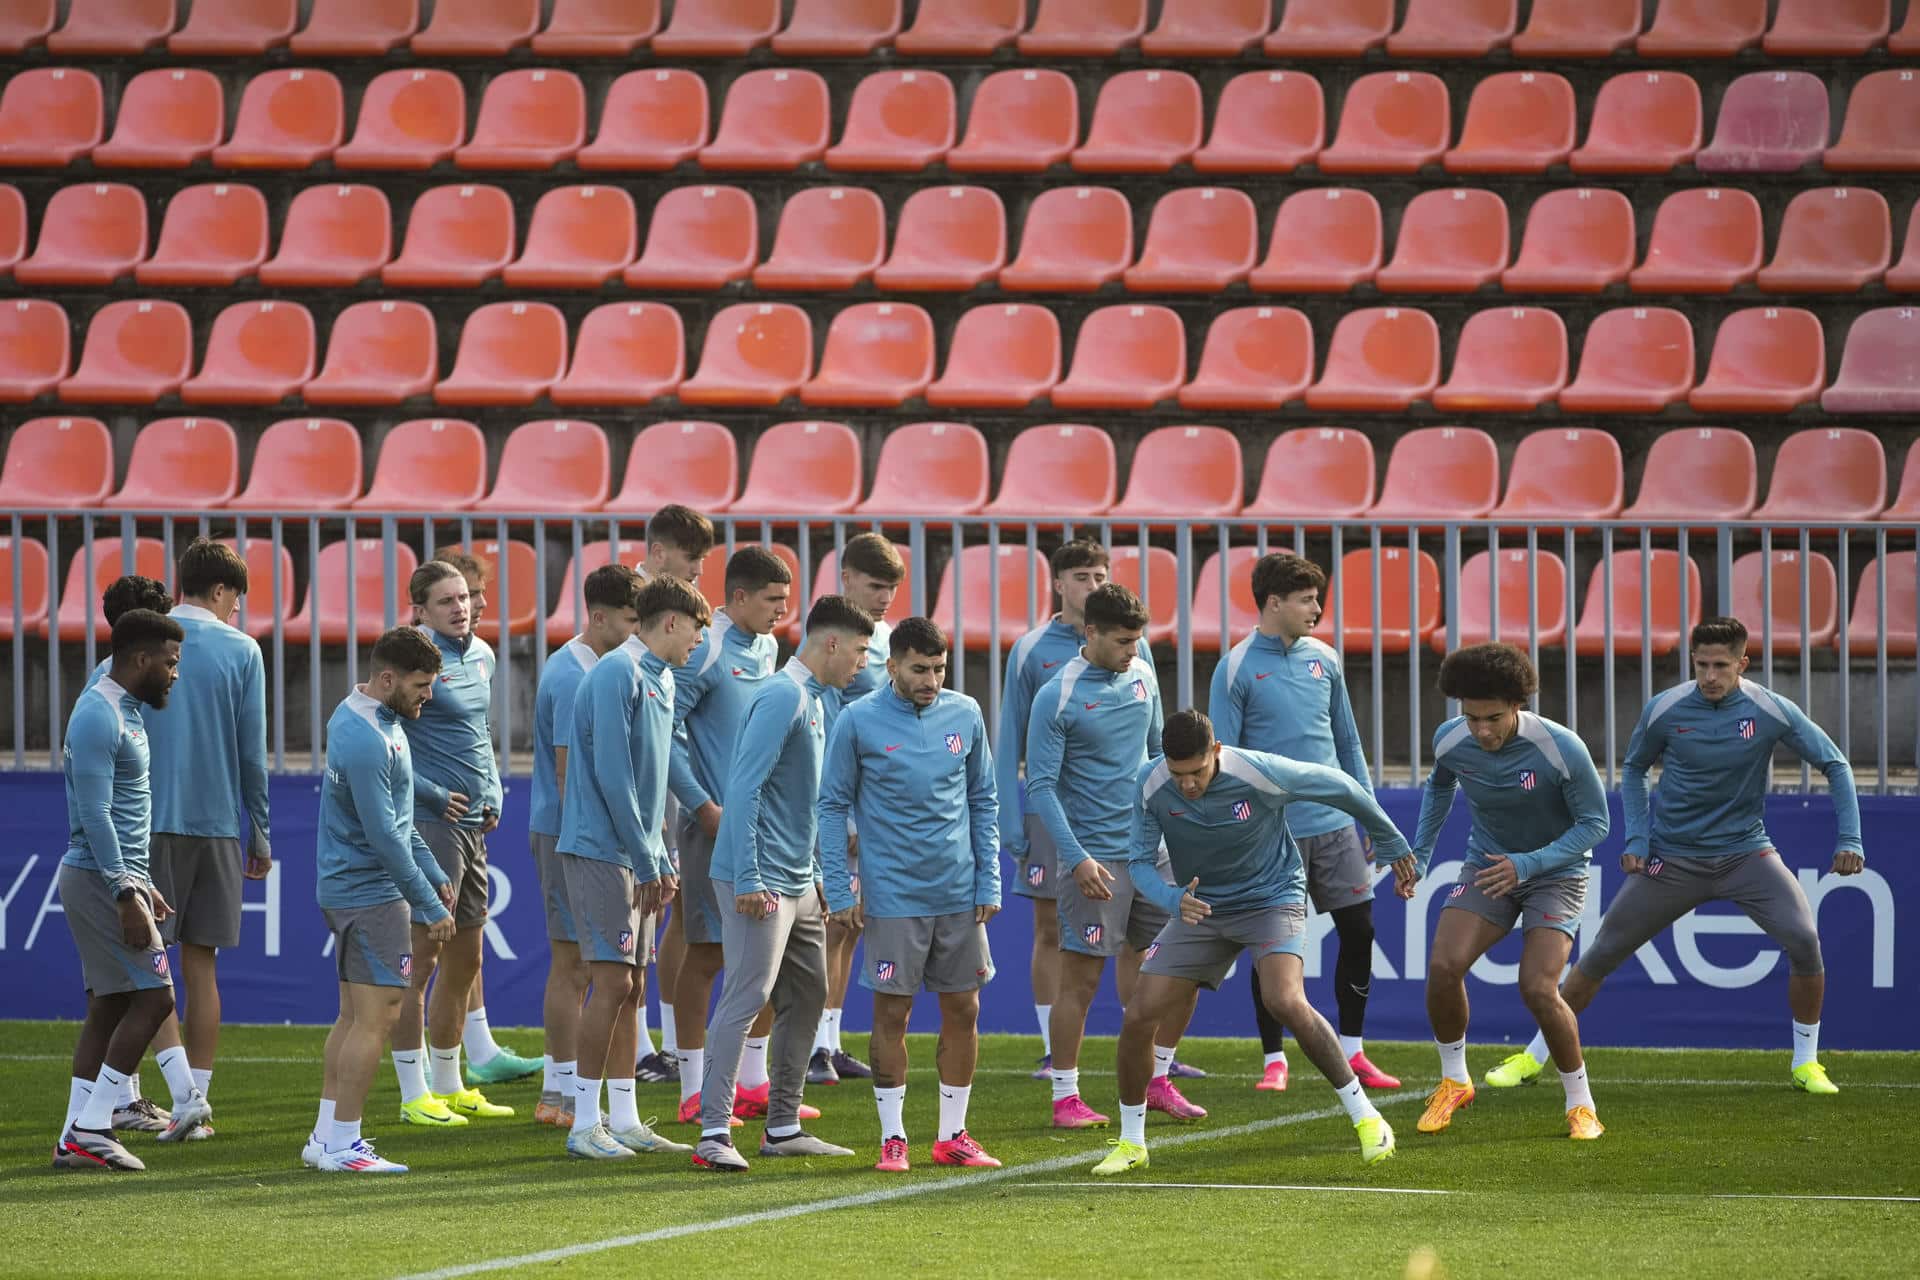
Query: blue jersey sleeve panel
{"type": "Point", "coordinates": [1810, 742]}
{"type": "Point", "coordinates": [106, 759]}
{"type": "Point", "coordinates": [210, 740]}
{"type": "Point", "coordinates": [566, 667]}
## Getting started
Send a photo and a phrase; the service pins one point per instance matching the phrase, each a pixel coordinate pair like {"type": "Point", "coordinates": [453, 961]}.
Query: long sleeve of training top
{"type": "Point", "coordinates": [368, 851]}
{"type": "Point", "coordinates": [109, 799]}
{"type": "Point", "coordinates": [1090, 726]}
{"type": "Point", "coordinates": [767, 833]}
{"type": "Point", "coordinates": [210, 740]}
{"type": "Point", "coordinates": [1016, 707]}
{"type": "Point", "coordinates": [689, 686]}
{"type": "Point", "coordinates": [566, 667]}
{"type": "Point", "coordinates": [1537, 801]}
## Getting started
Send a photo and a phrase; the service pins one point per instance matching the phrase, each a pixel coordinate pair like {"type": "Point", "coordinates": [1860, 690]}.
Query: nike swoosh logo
{"type": "Point", "coordinates": [896, 746]}
{"type": "Point", "coordinates": [1360, 990]}
{"type": "Point", "coordinates": [1176, 813]}
{"type": "Point", "coordinates": [1683, 731]}
{"type": "Point", "coordinates": [1092, 706]}
{"type": "Point", "coordinates": [1261, 675]}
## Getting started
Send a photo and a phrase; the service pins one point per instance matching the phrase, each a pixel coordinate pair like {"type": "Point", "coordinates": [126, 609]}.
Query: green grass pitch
{"type": "Point", "coordinates": [1685, 1182]}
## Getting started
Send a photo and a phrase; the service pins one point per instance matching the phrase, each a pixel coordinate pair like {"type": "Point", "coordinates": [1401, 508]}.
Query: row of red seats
{"type": "Point", "coordinates": [942, 469]}
{"type": "Point", "coordinates": [1075, 239]}
{"type": "Point", "coordinates": [1000, 355]}
{"type": "Point", "coordinates": [1019, 121]}
{"type": "Point", "coordinates": [1061, 28]}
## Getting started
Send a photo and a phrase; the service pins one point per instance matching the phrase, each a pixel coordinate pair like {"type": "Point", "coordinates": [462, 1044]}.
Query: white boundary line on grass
{"type": "Point", "coordinates": [1231, 1186]}
{"type": "Point", "coordinates": [1759, 1195]}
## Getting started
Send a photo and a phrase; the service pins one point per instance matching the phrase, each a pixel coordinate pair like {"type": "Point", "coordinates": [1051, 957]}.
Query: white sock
{"type": "Point", "coordinates": [345, 1133]}
{"type": "Point", "coordinates": [98, 1112]}
{"type": "Point", "coordinates": [1359, 1106]}
{"type": "Point", "coordinates": [753, 1063]}
{"type": "Point", "coordinates": [1453, 1060]}
{"type": "Point", "coordinates": [622, 1111]}
{"type": "Point", "coordinates": [891, 1102]}
{"type": "Point", "coordinates": [1806, 1043]}
{"type": "Point", "coordinates": [77, 1094]}
{"type": "Point", "coordinates": [563, 1077]}
{"type": "Point", "coordinates": [1575, 1083]}
{"type": "Point", "coordinates": [324, 1124]}
{"type": "Point", "coordinates": [1162, 1061]}
{"type": "Point", "coordinates": [953, 1109]}
{"type": "Point", "coordinates": [586, 1104]}
{"type": "Point", "coordinates": [1278, 1055]}
{"type": "Point", "coordinates": [446, 1069]}
{"type": "Point", "coordinates": [1349, 1046]}
{"type": "Point", "coordinates": [1043, 1014]}
{"type": "Point", "coordinates": [478, 1038]}
{"type": "Point", "coordinates": [693, 1064]}
{"type": "Point", "coordinates": [179, 1076]}
{"type": "Point", "coordinates": [549, 1072]}
{"type": "Point", "coordinates": [823, 1034]}
{"type": "Point", "coordinates": [203, 1080]}
{"type": "Point", "coordinates": [1133, 1124]}
{"type": "Point", "coordinates": [779, 1131]}
{"type": "Point", "coordinates": [669, 1038]}
{"type": "Point", "coordinates": [409, 1068]}
{"type": "Point", "coordinates": [1066, 1083]}
{"type": "Point", "coordinates": [1537, 1047]}
{"type": "Point", "coordinates": [646, 1034]}
{"type": "Point", "coordinates": [129, 1091]}
{"type": "Point", "coordinates": [836, 1015]}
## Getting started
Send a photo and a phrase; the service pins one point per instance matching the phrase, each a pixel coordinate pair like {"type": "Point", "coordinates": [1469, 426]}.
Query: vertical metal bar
{"type": "Point", "coordinates": [1413, 649]}
{"type": "Point", "coordinates": [957, 661]}
{"type": "Point", "coordinates": [282, 594]}
{"type": "Point", "coordinates": [1379, 667]}
{"type": "Point", "coordinates": [1571, 642]}
{"type": "Point", "coordinates": [1450, 555]}
{"type": "Point", "coordinates": [166, 549]}
{"type": "Point", "coordinates": [993, 648]}
{"type": "Point", "coordinates": [90, 602]}
{"type": "Point", "coordinates": [1606, 622]}
{"type": "Point", "coordinates": [1842, 577]}
{"type": "Point", "coordinates": [15, 544]}
{"type": "Point", "coordinates": [1034, 610]}
{"type": "Point", "coordinates": [1723, 552]}
{"type": "Point", "coordinates": [504, 746]}
{"type": "Point", "coordinates": [1806, 649]}
{"type": "Point", "coordinates": [1493, 583]}
{"type": "Point", "coordinates": [53, 635]}
{"type": "Point", "coordinates": [540, 596]}
{"type": "Point", "coordinates": [1183, 653]}
{"type": "Point", "coordinates": [803, 590]}
{"type": "Point", "coordinates": [1646, 616]}
{"type": "Point", "coordinates": [917, 556]}
{"type": "Point", "coordinates": [1766, 610]}
{"type": "Point", "coordinates": [1533, 607]}
{"type": "Point", "coordinates": [314, 722]}
{"type": "Point", "coordinates": [1879, 649]}
{"type": "Point", "coordinates": [1225, 553]}
{"type": "Point", "coordinates": [1685, 569]}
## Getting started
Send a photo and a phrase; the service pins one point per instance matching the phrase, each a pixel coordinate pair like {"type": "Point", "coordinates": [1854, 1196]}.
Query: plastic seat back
{"type": "Point", "coordinates": [1200, 239]}
{"type": "Point", "coordinates": [1450, 473]}
{"type": "Point", "coordinates": [1391, 122]}
{"type": "Point", "coordinates": [428, 464]}
{"type": "Point", "coordinates": [168, 119]}
{"type": "Point", "coordinates": [772, 120]}
{"type": "Point", "coordinates": [1126, 357]}
{"type": "Point", "coordinates": [356, 28]}
{"type": "Point", "coordinates": [626, 353]}
{"type": "Point", "coordinates": [1517, 122]}
{"type": "Point", "coordinates": [1703, 28]}
{"type": "Point", "coordinates": [1349, 618]}
{"type": "Point", "coordinates": [838, 28]}
{"type": "Point", "coordinates": [1075, 240]}
{"type": "Point", "coordinates": [1184, 472]}
{"type": "Point", "coordinates": [108, 27]}
{"type": "Point", "coordinates": [947, 238]}
{"type": "Point", "coordinates": [528, 120]}
{"type": "Point", "coordinates": [135, 353]}
{"type": "Point", "coordinates": [457, 237]}
{"type": "Point", "coordinates": [1084, 28]}
{"type": "Point", "coordinates": [289, 119]}
{"type": "Point", "coordinates": [1905, 505]}
{"type": "Point", "coordinates": [477, 29]}
{"type": "Point", "coordinates": [964, 28]}
{"type": "Point", "coordinates": [1060, 470]}
{"type": "Point", "coordinates": [1020, 121]}
{"type": "Point", "coordinates": [1205, 618]}
{"type": "Point", "coordinates": [1878, 132]}
{"type": "Point", "coordinates": [1265, 122]}
{"type": "Point", "coordinates": [899, 121]}
{"type": "Point", "coordinates": [334, 235]}
{"type": "Point", "coordinates": [699, 238]}
{"type": "Point", "coordinates": [1866, 623]}
{"type": "Point", "coordinates": [23, 26]}
{"type": "Point", "coordinates": [259, 610]}
{"type": "Point", "coordinates": [1705, 473]}
{"type": "Point", "coordinates": [1633, 360]}
{"type": "Point", "coordinates": [1658, 585]}
{"type": "Point", "coordinates": [186, 463]}
{"type": "Point", "coordinates": [1828, 28]}
{"type": "Point", "coordinates": [58, 463]}
{"type": "Point", "coordinates": [696, 463]}
{"type": "Point", "coordinates": [304, 464]}
{"type": "Point", "coordinates": [1452, 241]}
{"type": "Point", "coordinates": [378, 353]}
{"type": "Point", "coordinates": [1905, 278]}
{"type": "Point", "coordinates": [651, 120]}
{"type": "Point", "coordinates": [1330, 28]}
{"type": "Point", "coordinates": [13, 227]}
{"type": "Point", "coordinates": [1324, 241]}
{"type": "Point", "coordinates": [1827, 473]}
{"type": "Point", "coordinates": [26, 557]}
{"type": "Point", "coordinates": [1642, 122]}
{"type": "Point", "coordinates": [409, 119]}
{"type": "Point", "coordinates": [1569, 472]}
{"type": "Point", "coordinates": [597, 28]}
{"type": "Point", "coordinates": [1832, 240]}
{"type": "Point", "coordinates": [35, 349]}
{"type": "Point", "coordinates": [1507, 360]}
{"type": "Point", "coordinates": [1254, 358]}
{"type": "Point", "coordinates": [1578, 240]}
{"type": "Point", "coordinates": [1143, 122]}
{"type": "Point", "coordinates": [1381, 358]}
{"type": "Point", "coordinates": [878, 354]}
{"type": "Point", "coordinates": [1454, 28]}
{"type": "Point", "coordinates": [235, 28]}
{"type": "Point", "coordinates": [354, 572]}
{"type": "Point", "coordinates": [1880, 367]}
{"type": "Point", "coordinates": [931, 469]}
{"type": "Point", "coordinates": [802, 469]}
{"type": "Point", "coordinates": [80, 599]}
{"type": "Point", "coordinates": [1769, 598]}
{"type": "Point", "coordinates": [257, 353]}
{"type": "Point", "coordinates": [754, 353]}
{"type": "Point", "coordinates": [718, 28]}
{"type": "Point", "coordinates": [1533, 591]}
{"type": "Point", "coordinates": [1708, 240]}
{"type": "Point", "coordinates": [828, 238]}
{"type": "Point", "coordinates": [1001, 355]}
{"type": "Point", "coordinates": [966, 609]}
{"type": "Point", "coordinates": [213, 235]}
{"type": "Point", "coordinates": [1207, 28]}
{"type": "Point", "coordinates": [558, 464]}
{"type": "Point", "coordinates": [89, 235]}
{"type": "Point", "coordinates": [1769, 122]}
{"type": "Point", "coordinates": [510, 353]}
{"type": "Point", "coordinates": [578, 238]}
{"type": "Point", "coordinates": [1765, 360]}
{"type": "Point", "coordinates": [1316, 471]}
{"type": "Point", "coordinates": [50, 117]}
{"type": "Point", "coordinates": [1578, 28]}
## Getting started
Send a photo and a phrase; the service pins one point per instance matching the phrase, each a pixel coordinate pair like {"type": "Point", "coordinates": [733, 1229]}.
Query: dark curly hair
{"type": "Point", "coordinates": [1489, 672]}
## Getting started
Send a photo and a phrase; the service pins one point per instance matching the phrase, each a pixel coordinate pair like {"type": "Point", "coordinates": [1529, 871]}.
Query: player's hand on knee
{"type": "Point", "coordinates": [1848, 863]}
{"type": "Point", "coordinates": [1499, 879]}
{"type": "Point", "coordinates": [1406, 876]}
{"type": "Point", "coordinates": [1095, 881]}
{"type": "Point", "coordinates": [1631, 864]}
{"type": "Point", "coordinates": [441, 930]}
{"type": "Point", "coordinates": [1192, 909]}
{"type": "Point", "coordinates": [456, 806]}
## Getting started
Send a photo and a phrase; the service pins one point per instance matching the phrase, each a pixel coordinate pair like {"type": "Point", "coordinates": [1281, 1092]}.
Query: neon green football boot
{"type": "Point", "coordinates": [1516, 1069]}
{"type": "Point", "coordinates": [1124, 1158]}
{"type": "Point", "coordinates": [471, 1102]}
{"type": "Point", "coordinates": [431, 1112]}
{"type": "Point", "coordinates": [1376, 1139]}
{"type": "Point", "coordinates": [1812, 1078]}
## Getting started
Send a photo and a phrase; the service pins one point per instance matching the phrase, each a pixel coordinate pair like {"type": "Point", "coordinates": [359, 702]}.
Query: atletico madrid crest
{"type": "Point", "coordinates": [1746, 728]}
{"type": "Point", "coordinates": [1139, 690]}
{"type": "Point", "coordinates": [1036, 874]}
{"type": "Point", "coordinates": [1242, 811]}
{"type": "Point", "coordinates": [955, 746]}
{"type": "Point", "coordinates": [1092, 933]}
{"type": "Point", "coordinates": [406, 964]}
{"type": "Point", "coordinates": [1315, 670]}
{"type": "Point", "coordinates": [159, 962]}
{"type": "Point", "coordinates": [625, 942]}
{"type": "Point", "coordinates": [883, 970]}
{"type": "Point", "coordinates": [1526, 779]}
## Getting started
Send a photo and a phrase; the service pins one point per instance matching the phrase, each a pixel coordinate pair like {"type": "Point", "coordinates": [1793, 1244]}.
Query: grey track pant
{"type": "Point", "coordinates": [782, 959]}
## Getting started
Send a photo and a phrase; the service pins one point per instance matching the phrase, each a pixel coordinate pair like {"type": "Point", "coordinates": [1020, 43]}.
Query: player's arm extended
{"type": "Point", "coordinates": [390, 832]}
{"type": "Point", "coordinates": [1346, 737]}
{"type": "Point", "coordinates": [687, 692]}
{"type": "Point", "coordinates": [839, 784]}
{"type": "Point", "coordinates": [1046, 751]}
{"type": "Point", "coordinates": [763, 731]}
{"type": "Point", "coordinates": [1811, 743]}
{"type": "Point", "coordinates": [1587, 801]}
{"type": "Point", "coordinates": [1436, 802]}
{"type": "Point", "coordinates": [983, 817]}
{"type": "Point", "coordinates": [1016, 701]}
{"type": "Point", "coordinates": [1648, 741]}
{"type": "Point", "coordinates": [1323, 785]}
{"type": "Point", "coordinates": [91, 749]}
{"type": "Point", "coordinates": [1224, 705]}
{"type": "Point", "coordinates": [1143, 856]}
{"type": "Point", "coordinates": [614, 772]}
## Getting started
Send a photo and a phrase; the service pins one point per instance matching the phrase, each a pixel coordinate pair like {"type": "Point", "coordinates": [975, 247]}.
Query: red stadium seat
{"type": "Point", "coordinates": [898, 121]}
{"type": "Point", "coordinates": [181, 463]}
{"type": "Point", "coordinates": [1565, 473]}
{"type": "Point", "coordinates": [1380, 358]}
{"type": "Point", "coordinates": [1866, 625]}
{"type": "Point", "coordinates": [50, 117]}
{"type": "Point", "coordinates": [930, 469]}
{"type": "Point", "coordinates": [1241, 617]}
{"type": "Point", "coordinates": [1184, 473]}
{"type": "Point", "coordinates": [1906, 41]}
{"type": "Point", "coordinates": [772, 120]}
{"type": "Point", "coordinates": [1207, 28]}
{"type": "Point", "coordinates": [1706, 473]}
{"type": "Point", "coordinates": [1391, 122]}
{"type": "Point", "coordinates": [947, 239]}
{"type": "Point", "coordinates": [523, 591]}
{"type": "Point", "coordinates": [1878, 133]}
{"type": "Point", "coordinates": [1660, 588]}
{"type": "Point", "coordinates": [1517, 122]}
{"type": "Point", "coordinates": [80, 600]}
{"type": "Point", "coordinates": [1880, 368]}
{"type": "Point", "coordinates": [1349, 612]}
{"type": "Point", "coordinates": [1255, 358]}
{"type": "Point", "coordinates": [26, 557]}
{"type": "Point", "coordinates": [97, 28]}
{"type": "Point", "coordinates": [1828, 28]}
{"type": "Point", "coordinates": [409, 119]}
{"type": "Point", "coordinates": [717, 28]}
{"type": "Point", "coordinates": [626, 353]}
{"type": "Point", "coordinates": [1769, 122]}
{"type": "Point", "coordinates": [1330, 28]}
{"type": "Point", "coordinates": [36, 349]}
{"type": "Point", "coordinates": [967, 610]}
{"type": "Point", "coordinates": [1632, 360]}
{"type": "Point", "coordinates": [528, 120]}
{"type": "Point", "coordinates": [578, 238]}
{"type": "Point", "coordinates": [1076, 239]}
{"type": "Point", "coordinates": [803, 469]}
{"type": "Point", "coordinates": [1059, 471]}
{"type": "Point", "coordinates": [13, 227]}
{"type": "Point", "coordinates": [878, 355]}
{"type": "Point", "coordinates": [304, 464]}
{"type": "Point", "coordinates": [136, 352]}
{"type": "Point", "coordinates": [700, 238]}
{"type": "Point", "coordinates": [1316, 471]}
{"type": "Point", "coordinates": [1707, 240]}
{"type": "Point", "coordinates": [1578, 28]}
{"type": "Point", "coordinates": [510, 353]}
{"type": "Point", "coordinates": [89, 235]}
{"type": "Point", "coordinates": [58, 464]}
{"type": "Point", "coordinates": [1703, 28]}
{"type": "Point", "coordinates": [457, 237]}
{"type": "Point", "coordinates": [1905, 507]}
{"type": "Point", "coordinates": [1143, 122]}
{"type": "Point", "coordinates": [1440, 473]}
{"type": "Point", "coordinates": [1326, 240]}
{"type": "Point", "coordinates": [1201, 239]}
{"type": "Point", "coordinates": [379, 353]}
{"type": "Point", "coordinates": [214, 234]}
{"type": "Point", "coordinates": [564, 622]}
{"type": "Point", "coordinates": [696, 463]}
{"type": "Point", "coordinates": [1827, 473]}
{"type": "Point", "coordinates": [1832, 240]}
{"type": "Point", "coordinates": [332, 237]}
{"type": "Point", "coordinates": [1578, 240]}
{"type": "Point", "coordinates": [652, 120]}
{"type": "Point", "coordinates": [828, 238]}
{"type": "Point", "coordinates": [962, 28]}
{"type": "Point", "coordinates": [22, 26]}
{"type": "Point", "coordinates": [755, 353]}
{"type": "Point", "coordinates": [1454, 28]}
{"type": "Point", "coordinates": [235, 28]}
{"type": "Point", "coordinates": [168, 119]}
{"type": "Point", "coordinates": [1545, 574]}
{"type": "Point", "coordinates": [477, 29]}
{"type": "Point", "coordinates": [289, 119]}
{"type": "Point", "coordinates": [259, 612]}
{"type": "Point", "coordinates": [1022, 121]}
{"type": "Point", "coordinates": [1643, 122]}
{"type": "Point", "coordinates": [597, 28]}
{"type": "Point", "coordinates": [1451, 241]}
{"type": "Point", "coordinates": [428, 464]}
{"type": "Point", "coordinates": [1765, 360]}
{"type": "Point", "coordinates": [1005, 355]}
{"type": "Point", "coordinates": [1157, 582]}
{"type": "Point", "coordinates": [1083, 28]}
{"type": "Point", "coordinates": [555, 465]}
{"type": "Point", "coordinates": [1772, 609]}
{"type": "Point", "coordinates": [838, 28]}
{"type": "Point", "coordinates": [1905, 278]}
{"type": "Point", "coordinates": [1265, 122]}
{"type": "Point", "coordinates": [1126, 357]}
{"type": "Point", "coordinates": [1507, 360]}
{"type": "Point", "coordinates": [353, 571]}
{"type": "Point", "coordinates": [356, 28]}
{"type": "Point", "coordinates": [257, 353]}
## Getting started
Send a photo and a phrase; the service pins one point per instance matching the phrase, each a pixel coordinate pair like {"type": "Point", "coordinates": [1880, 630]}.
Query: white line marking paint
{"type": "Point", "coordinates": [1755, 1195]}
{"type": "Point", "coordinates": [1230, 1186]}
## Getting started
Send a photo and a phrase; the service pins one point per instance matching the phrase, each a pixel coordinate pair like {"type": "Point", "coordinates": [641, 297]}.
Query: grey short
{"type": "Point", "coordinates": [1544, 904]}
{"type": "Point", "coordinates": [200, 877]}
{"type": "Point", "coordinates": [939, 953]}
{"type": "Point", "coordinates": [600, 897]}
{"type": "Point", "coordinates": [1129, 918]}
{"type": "Point", "coordinates": [462, 854]}
{"type": "Point", "coordinates": [109, 965]}
{"type": "Point", "coordinates": [372, 946]}
{"type": "Point", "coordinates": [1040, 869]}
{"type": "Point", "coordinates": [1758, 883]}
{"type": "Point", "coordinates": [1339, 869]}
{"type": "Point", "coordinates": [553, 886]}
{"type": "Point", "coordinates": [1203, 953]}
{"type": "Point", "coordinates": [701, 911]}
